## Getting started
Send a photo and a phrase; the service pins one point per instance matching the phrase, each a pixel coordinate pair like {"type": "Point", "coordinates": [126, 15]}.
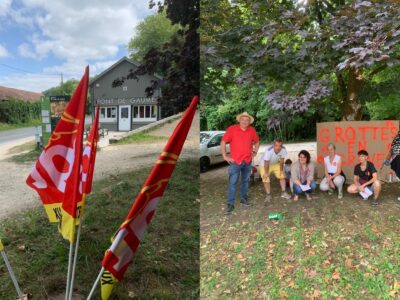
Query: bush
{"type": "Point", "coordinates": [17, 111]}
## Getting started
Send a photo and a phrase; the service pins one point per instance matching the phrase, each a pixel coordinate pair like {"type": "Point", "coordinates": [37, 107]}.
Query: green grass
{"type": "Point", "coordinates": [323, 249]}
{"type": "Point", "coordinates": [165, 266]}
{"type": "Point", "coordinates": [141, 137]}
{"type": "Point", "coordinates": [6, 126]}
{"type": "Point", "coordinates": [26, 157]}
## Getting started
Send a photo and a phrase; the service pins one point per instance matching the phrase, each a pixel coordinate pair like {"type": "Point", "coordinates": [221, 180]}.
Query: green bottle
{"type": "Point", "coordinates": [275, 216]}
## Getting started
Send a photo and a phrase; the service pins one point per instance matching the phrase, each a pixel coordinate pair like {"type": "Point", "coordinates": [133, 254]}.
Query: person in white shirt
{"type": "Point", "coordinates": [272, 162]}
{"type": "Point", "coordinates": [334, 177]}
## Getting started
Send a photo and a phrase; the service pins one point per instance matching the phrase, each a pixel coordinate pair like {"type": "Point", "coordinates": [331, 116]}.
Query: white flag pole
{"type": "Point", "coordinates": [95, 284]}
{"type": "Point", "coordinates": [11, 272]}
{"type": "Point", "coordinates": [71, 251]}
{"type": "Point", "coordinates": [78, 235]}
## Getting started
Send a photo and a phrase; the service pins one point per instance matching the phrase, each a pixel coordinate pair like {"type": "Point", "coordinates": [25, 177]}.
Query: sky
{"type": "Point", "coordinates": [40, 39]}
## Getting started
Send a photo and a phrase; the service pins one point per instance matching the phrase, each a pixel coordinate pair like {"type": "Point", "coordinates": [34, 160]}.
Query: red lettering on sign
{"type": "Point", "coordinates": [350, 133]}
{"type": "Point", "coordinates": [320, 159]}
{"type": "Point", "coordinates": [374, 129]}
{"type": "Point", "coordinates": [338, 134]}
{"type": "Point", "coordinates": [362, 145]}
{"type": "Point", "coordinates": [362, 130]}
{"type": "Point", "coordinates": [324, 136]}
{"type": "Point", "coordinates": [384, 133]}
{"type": "Point", "coordinates": [351, 159]}
{"type": "Point", "coordinates": [380, 157]}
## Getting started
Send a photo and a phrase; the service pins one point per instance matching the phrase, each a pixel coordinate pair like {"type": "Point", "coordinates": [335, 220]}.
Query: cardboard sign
{"type": "Point", "coordinates": [350, 137]}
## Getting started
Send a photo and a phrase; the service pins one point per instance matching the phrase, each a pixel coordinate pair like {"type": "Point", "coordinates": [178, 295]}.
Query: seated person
{"type": "Point", "coordinates": [334, 177]}
{"type": "Point", "coordinates": [288, 174]}
{"type": "Point", "coordinates": [365, 176]}
{"type": "Point", "coordinates": [303, 174]}
{"type": "Point", "coordinates": [272, 162]}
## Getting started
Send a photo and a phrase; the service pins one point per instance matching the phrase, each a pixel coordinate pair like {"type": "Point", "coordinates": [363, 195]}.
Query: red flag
{"type": "Point", "coordinates": [57, 175]}
{"type": "Point", "coordinates": [89, 155]}
{"type": "Point", "coordinates": [130, 233]}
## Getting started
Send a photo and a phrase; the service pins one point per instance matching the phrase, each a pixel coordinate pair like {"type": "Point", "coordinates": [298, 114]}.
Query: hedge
{"type": "Point", "coordinates": [17, 111]}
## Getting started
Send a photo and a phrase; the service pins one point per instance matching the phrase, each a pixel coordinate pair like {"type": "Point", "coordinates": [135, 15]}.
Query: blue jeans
{"type": "Point", "coordinates": [297, 189]}
{"type": "Point", "coordinates": [234, 172]}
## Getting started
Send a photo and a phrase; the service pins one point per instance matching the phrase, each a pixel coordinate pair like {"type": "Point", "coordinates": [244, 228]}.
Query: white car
{"type": "Point", "coordinates": [210, 151]}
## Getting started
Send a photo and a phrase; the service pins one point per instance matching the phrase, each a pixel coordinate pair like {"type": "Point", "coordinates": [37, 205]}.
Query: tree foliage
{"type": "Point", "coordinates": [179, 62]}
{"type": "Point", "coordinates": [153, 32]}
{"type": "Point", "coordinates": [304, 53]}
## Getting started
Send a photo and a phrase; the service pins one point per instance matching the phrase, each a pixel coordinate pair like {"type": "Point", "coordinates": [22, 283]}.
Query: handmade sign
{"type": "Point", "coordinates": [350, 137]}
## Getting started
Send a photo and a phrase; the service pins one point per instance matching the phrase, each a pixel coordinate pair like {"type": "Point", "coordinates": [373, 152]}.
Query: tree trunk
{"type": "Point", "coordinates": [352, 107]}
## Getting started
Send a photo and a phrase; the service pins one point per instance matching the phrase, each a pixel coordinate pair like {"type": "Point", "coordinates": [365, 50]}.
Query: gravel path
{"type": "Point", "coordinates": [16, 196]}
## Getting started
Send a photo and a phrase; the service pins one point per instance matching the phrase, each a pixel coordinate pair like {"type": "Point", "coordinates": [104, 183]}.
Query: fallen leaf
{"type": "Point", "coordinates": [290, 242]}
{"type": "Point", "coordinates": [311, 251]}
{"type": "Point", "coordinates": [316, 294]}
{"type": "Point", "coordinates": [326, 279]}
{"type": "Point", "coordinates": [348, 263]}
{"type": "Point", "coordinates": [283, 294]}
{"type": "Point", "coordinates": [335, 275]}
{"type": "Point", "coordinates": [312, 273]}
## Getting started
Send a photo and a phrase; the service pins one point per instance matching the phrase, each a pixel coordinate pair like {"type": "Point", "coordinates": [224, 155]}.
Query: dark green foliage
{"type": "Point", "coordinates": [17, 111]}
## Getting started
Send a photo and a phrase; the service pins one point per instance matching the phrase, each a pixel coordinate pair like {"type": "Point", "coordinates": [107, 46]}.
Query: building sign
{"type": "Point", "coordinates": [126, 101]}
{"type": "Point", "coordinates": [52, 109]}
{"type": "Point", "coordinates": [350, 137]}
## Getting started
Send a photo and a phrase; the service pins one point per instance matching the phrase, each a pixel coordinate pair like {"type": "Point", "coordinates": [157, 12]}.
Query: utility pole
{"type": "Point", "coordinates": [62, 82]}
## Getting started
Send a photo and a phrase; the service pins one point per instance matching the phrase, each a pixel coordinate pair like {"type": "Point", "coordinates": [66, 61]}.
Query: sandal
{"type": "Point", "coordinates": [308, 196]}
{"type": "Point", "coordinates": [295, 198]}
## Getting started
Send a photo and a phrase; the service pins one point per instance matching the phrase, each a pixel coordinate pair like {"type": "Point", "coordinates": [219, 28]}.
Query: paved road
{"type": "Point", "coordinates": [16, 134]}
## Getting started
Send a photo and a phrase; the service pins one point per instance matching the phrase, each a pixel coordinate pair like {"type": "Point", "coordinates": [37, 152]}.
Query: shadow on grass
{"type": "Point", "coordinates": [165, 266]}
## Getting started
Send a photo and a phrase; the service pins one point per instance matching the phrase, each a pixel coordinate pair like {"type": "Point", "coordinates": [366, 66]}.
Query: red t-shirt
{"type": "Point", "coordinates": [241, 142]}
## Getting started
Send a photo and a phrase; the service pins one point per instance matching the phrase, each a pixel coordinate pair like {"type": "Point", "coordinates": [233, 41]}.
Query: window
{"type": "Point", "coordinates": [145, 113]}
{"type": "Point", "coordinates": [108, 114]}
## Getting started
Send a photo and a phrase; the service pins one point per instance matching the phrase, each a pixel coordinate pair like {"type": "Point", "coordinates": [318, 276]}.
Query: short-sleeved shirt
{"type": "Point", "coordinates": [365, 175]}
{"type": "Point", "coordinates": [332, 167]}
{"type": "Point", "coordinates": [272, 157]}
{"type": "Point", "coordinates": [241, 142]}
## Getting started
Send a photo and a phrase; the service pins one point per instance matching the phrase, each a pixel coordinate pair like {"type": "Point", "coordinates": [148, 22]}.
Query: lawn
{"type": "Point", "coordinates": [166, 265]}
{"type": "Point", "coordinates": [321, 249]}
{"type": "Point", "coordinates": [141, 137]}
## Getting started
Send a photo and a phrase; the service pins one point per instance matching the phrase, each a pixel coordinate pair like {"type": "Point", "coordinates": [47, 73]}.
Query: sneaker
{"type": "Point", "coordinates": [245, 202]}
{"type": "Point", "coordinates": [285, 195]}
{"type": "Point", "coordinates": [308, 196]}
{"type": "Point", "coordinates": [340, 195]}
{"type": "Point", "coordinates": [330, 192]}
{"type": "Point", "coordinates": [229, 209]}
{"type": "Point", "coordinates": [268, 198]}
{"type": "Point", "coordinates": [375, 202]}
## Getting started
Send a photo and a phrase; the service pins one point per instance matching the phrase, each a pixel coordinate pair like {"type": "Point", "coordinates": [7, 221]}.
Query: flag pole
{"type": "Point", "coordinates": [78, 235]}
{"type": "Point", "coordinates": [95, 284]}
{"type": "Point", "coordinates": [71, 250]}
{"type": "Point", "coordinates": [11, 272]}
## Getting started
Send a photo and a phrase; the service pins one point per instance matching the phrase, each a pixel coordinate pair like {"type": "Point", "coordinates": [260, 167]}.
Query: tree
{"type": "Point", "coordinates": [307, 52]}
{"type": "Point", "coordinates": [66, 88]}
{"type": "Point", "coordinates": [153, 32]}
{"type": "Point", "coordinates": [179, 62]}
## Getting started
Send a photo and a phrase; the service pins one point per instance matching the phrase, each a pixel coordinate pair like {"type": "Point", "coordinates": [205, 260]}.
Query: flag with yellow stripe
{"type": "Point", "coordinates": [56, 175]}
{"type": "Point", "coordinates": [130, 233]}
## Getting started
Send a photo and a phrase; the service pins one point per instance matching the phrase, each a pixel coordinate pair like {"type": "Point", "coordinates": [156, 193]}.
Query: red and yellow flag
{"type": "Point", "coordinates": [130, 233]}
{"type": "Point", "coordinates": [57, 173]}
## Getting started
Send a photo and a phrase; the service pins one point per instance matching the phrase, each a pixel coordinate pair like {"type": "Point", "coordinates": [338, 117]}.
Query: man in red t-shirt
{"type": "Point", "coordinates": [244, 144]}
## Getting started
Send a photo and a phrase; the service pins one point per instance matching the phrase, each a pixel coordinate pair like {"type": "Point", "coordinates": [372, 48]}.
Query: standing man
{"type": "Point", "coordinates": [273, 162]}
{"type": "Point", "coordinates": [365, 176]}
{"type": "Point", "coordinates": [393, 157]}
{"type": "Point", "coordinates": [244, 144]}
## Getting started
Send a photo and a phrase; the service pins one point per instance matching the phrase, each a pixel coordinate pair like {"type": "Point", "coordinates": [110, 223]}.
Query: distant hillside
{"type": "Point", "coordinates": [15, 94]}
